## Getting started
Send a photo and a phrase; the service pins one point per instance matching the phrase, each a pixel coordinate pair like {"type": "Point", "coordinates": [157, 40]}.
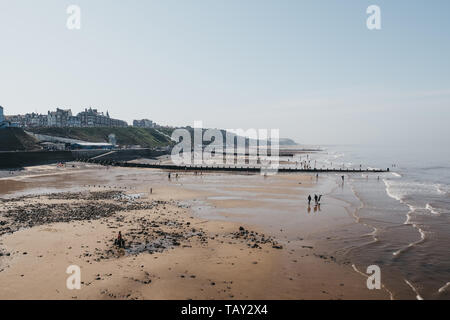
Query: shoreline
{"type": "Point", "coordinates": [238, 271]}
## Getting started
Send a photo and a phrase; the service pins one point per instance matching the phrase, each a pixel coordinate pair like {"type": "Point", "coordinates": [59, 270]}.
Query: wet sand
{"type": "Point", "coordinates": [210, 236]}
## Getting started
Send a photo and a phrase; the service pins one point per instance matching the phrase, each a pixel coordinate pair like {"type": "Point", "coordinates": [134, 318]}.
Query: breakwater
{"type": "Point", "coordinates": [234, 168]}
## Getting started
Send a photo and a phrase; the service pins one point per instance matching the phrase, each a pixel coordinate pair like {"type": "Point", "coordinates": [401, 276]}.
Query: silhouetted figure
{"type": "Point", "coordinates": [315, 198]}
{"type": "Point", "coordinates": [119, 241]}
{"type": "Point", "coordinates": [309, 200]}
{"type": "Point", "coordinates": [318, 200]}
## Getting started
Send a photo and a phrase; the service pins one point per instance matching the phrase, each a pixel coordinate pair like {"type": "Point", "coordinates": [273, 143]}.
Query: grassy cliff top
{"type": "Point", "coordinates": [145, 137]}
{"type": "Point", "coordinates": [12, 139]}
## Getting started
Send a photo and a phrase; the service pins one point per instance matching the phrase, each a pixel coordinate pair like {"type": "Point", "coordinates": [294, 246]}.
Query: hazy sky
{"type": "Point", "coordinates": [310, 68]}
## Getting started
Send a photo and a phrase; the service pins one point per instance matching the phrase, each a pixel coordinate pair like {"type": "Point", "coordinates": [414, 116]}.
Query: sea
{"type": "Point", "coordinates": [406, 212]}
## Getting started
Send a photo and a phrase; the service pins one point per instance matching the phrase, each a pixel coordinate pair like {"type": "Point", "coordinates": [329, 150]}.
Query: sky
{"type": "Point", "coordinates": [309, 68]}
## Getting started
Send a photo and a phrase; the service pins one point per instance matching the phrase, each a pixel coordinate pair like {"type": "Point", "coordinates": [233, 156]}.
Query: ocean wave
{"type": "Point", "coordinates": [390, 192]}
{"type": "Point", "coordinates": [432, 209]}
{"type": "Point", "coordinates": [395, 174]}
{"type": "Point", "coordinates": [412, 209]}
{"type": "Point", "coordinates": [408, 215]}
{"type": "Point", "coordinates": [442, 189]}
{"type": "Point", "coordinates": [418, 296]}
{"type": "Point", "coordinates": [337, 155]}
{"type": "Point", "coordinates": [415, 195]}
{"type": "Point", "coordinates": [412, 244]}
{"type": "Point", "coordinates": [444, 288]}
{"type": "Point", "coordinates": [399, 189]}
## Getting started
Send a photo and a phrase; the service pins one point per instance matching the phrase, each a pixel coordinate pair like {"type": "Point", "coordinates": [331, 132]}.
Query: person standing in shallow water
{"type": "Point", "coordinates": [315, 198]}
{"type": "Point", "coordinates": [309, 200]}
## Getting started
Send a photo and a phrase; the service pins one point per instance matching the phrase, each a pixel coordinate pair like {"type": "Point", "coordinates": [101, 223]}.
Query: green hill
{"type": "Point", "coordinates": [12, 139]}
{"type": "Point", "coordinates": [145, 137]}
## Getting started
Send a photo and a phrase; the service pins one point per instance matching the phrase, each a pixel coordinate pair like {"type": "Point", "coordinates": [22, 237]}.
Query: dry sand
{"type": "Point", "coordinates": [189, 243]}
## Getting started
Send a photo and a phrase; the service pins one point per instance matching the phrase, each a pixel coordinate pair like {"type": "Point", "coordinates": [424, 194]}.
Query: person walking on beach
{"type": "Point", "coordinates": [318, 200]}
{"type": "Point", "coordinates": [309, 200]}
{"type": "Point", "coordinates": [342, 179]}
{"type": "Point", "coordinates": [315, 198]}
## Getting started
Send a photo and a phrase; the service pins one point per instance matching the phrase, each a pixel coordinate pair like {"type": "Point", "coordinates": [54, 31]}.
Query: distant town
{"type": "Point", "coordinates": [64, 118]}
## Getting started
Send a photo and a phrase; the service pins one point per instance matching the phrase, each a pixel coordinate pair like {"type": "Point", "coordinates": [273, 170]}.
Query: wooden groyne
{"type": "Point", "coordinates": [234, 168]}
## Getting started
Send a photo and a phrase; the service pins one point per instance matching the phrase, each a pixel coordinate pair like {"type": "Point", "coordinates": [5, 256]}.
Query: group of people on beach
{"type": "Point", "coordinates": [317, 199]}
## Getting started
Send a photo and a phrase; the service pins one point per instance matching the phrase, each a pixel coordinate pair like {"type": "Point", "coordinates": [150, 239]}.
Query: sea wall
{"type": "Point", "coordinates": [18, 159]}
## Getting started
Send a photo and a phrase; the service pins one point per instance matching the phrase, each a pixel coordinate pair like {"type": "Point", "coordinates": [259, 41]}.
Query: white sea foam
{"type": "Point", "coordinates": [356, 269]}
{"type": "Point", "coordinates": [442, 189]}
{"type": "Point", "coordinates": [395, 174]}
{"type": "Point", "coordinates": [418, 297]}
{"type": "Point", "coordinates": [444, 288]}
{"type": "Point", "coordinates": [338, 155]}
{"type": "Point", "coordinates": [412, 244]}
{"type": "Point", "coordinates": [408, 215]}
{"type": "Point", "coordinates": [390, 192]}
{"type": "Point", "coordinates": [433, 210]}
{"type": "Point", "coordinates": [399, 189]}
{"type": "Point", "coordinates": [421, 232]}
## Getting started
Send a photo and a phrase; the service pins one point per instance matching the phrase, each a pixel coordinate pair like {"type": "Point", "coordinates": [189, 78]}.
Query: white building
{"type": "Point", "coordinates": [144, 123]}
{"type": "Point", "coordinates": [58, 118]}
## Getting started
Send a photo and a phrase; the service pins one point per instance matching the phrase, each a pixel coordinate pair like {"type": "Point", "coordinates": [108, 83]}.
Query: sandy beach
{"type": "Point", "coordinates": [194, 236]}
